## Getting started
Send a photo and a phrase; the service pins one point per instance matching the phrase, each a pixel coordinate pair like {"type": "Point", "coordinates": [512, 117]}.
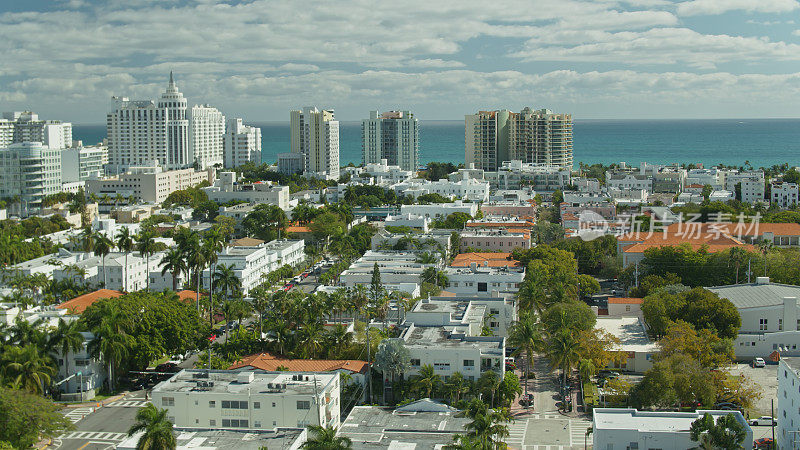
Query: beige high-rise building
{"type": "Point", "coordinates": [538, 137]}
{"type": "Point", "coordinates": [315, 134]}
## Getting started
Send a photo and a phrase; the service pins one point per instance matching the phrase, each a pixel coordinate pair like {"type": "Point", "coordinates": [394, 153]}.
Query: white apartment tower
{"type": "Point", "coordinates": [206, 134]}
{"type": "Point", "coordinates": [532, 136]}
{"type": "Point", "coordinates": [25, 126]}
{"type": "Point", "coordinates": [242, 144]}
{"type": "Point", "coordinates": [31, 171]}
{"type": "Point", "coordinates": [393, 136]}
{"type": "Point", "coordinates": [315, 134]}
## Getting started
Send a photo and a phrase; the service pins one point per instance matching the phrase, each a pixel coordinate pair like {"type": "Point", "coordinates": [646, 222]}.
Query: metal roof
{"type": "Point", "coordinates": [756, 295]}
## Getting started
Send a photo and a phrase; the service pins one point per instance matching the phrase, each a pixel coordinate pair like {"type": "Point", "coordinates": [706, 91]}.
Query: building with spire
{"type": "Point", "coordinates": [144, 132]}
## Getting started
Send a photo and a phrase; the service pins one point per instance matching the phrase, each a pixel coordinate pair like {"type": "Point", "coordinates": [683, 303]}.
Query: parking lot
{"type": "Point", "coordinates": [766, 379]}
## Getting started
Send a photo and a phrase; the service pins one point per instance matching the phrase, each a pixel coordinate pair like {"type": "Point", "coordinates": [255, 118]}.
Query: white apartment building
{"type": "Point", "coordinates": [770, 318]}
{"type": "Point", "coordinates": [220, 399]}
{"type": "Point", "coordinates": [408, 220]}
{"type": "Point", "coordinates": [150, 184]}
{"type": "Point", "coordinates": [440, 210]}
{"type": "Point", "coordinates": [633, 340]}
{"type": "Point", "coordinates": [495, 240]}
{"type": "Point", "coordinates": [629, 181]}
{"type": "Point", "coordinates": [435, 241]}
{"type": "Point", "coordinates": [242, 144]}
{"type": "Point", "coordinates": [251, 262]}
{"type": "Point", "coordinates": [516, 174]}
{"type": "Point", "coordinates": [315, 134]}
{"type": "Point", "coordinates": [712, 177]}
{"type": "Point", "coordinates": [783, 194]}
{"type": "Point", "coordinates": [497, 313]}
{"type": "Point", "coordinates": [206, 132]}
{"type": "Point", "coordinates": [539, 137]}
{"type": "Point", "coordinates": [291, 163]}
{"type": "Point", "coordinates": [141, 131]}
{"type": "Point", "coordinates": [384, 173]}
{"type": "Point", "coordinates": [83, 163]}
{"type": "Point", "coordinates": [227, 188]}
{"type": "Point", "coordinates": [25, 126]}
{"type": "Point", "coordinates": [787, 432]}
{"type": "Point", "coordinates": [392, 136]}
{"type": "Point", "coordinates": [30, 170]}
{"type": "Point", "coordinates": [752, 184]}
{"type": "Point", "coordinates": [470, 189]}
{"type": "Point", "coordinates": [627, 428]}
{"type": "Point", "coordinates": [396, 267]}
{"type": "Point", "coordinates": [476, 280]}
{"type": "Point", "coordinates": [84, 375]}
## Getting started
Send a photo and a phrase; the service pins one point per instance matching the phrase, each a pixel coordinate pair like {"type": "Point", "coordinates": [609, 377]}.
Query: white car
{"type": "Point", "coordinates": [766, 421]}
{"type": "Point", "coordinates": [759, 362]}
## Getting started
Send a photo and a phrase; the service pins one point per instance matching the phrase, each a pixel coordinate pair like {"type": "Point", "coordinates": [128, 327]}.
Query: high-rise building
{"type": "Point", "coordinates": [143, 131]}
{"type": "Point", "coordinates": [206, 136]}
{"type": "Point", "coordinates": [538, 137]}
{"type": "Point", "coordinates": [393, 136]}
{"type": "Point", "coordinates": [31, 171]}
{"type": "Point", "coordinates": [83, 163]}
{"type": "Point", "coordinates": [315, 134]}
{"type": "Point", "coordinates": [242, 144]}
{"type": "Point", "coordinates": [25, 126]}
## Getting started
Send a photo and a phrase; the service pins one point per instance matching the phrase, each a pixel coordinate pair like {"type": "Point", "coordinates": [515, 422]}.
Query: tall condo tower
{"type": "Point", "coordinates": [315, 134]}
{"type": "Point", "coordinates": [393, 136]}
{"type": "Point", "coordinates": [242, 144]}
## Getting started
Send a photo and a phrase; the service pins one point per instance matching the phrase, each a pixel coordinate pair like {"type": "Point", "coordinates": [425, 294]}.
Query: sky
{"type": "Point", "coordinates": [258, 59]}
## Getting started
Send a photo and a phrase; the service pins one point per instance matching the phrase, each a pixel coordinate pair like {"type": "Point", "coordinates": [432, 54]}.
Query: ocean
{"type": "Point", "coordinates": [762, 142]}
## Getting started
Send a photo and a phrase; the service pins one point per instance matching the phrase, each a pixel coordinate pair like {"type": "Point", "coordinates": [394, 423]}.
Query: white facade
{"type": "Point", "coordinates": [92, 372]}
{"type": "Point", "coordinates": [250, 263]}
{"type": "Point", "coordinates": [631, 332]}
{"type": "Point", "coordinates": [25, 126]}
{"type": "Point", "coordinates": [31, 171]}
{"type": "Point", "coordinates": [408, 220]}
{"type": "Point", "coordinates": [515, 175]}
{"type": "Point", "coordinates": [147, 183]}
{"type": "Point", "coordinates": [752, 185]}
{"type": "Point", "coordinates": [83, 163]}
{"type": "Point", "coordinates": [785, 195]}
{"type": "Point", "coordinates": [627, 428]}
{"type": "Point", "coordinates": [291, 163]}
{"type": "Point", "coordinates": [206, 131]}
{"type": "Point", "coordinates": [629, 181]}
{"type": "Point", "coordinates": [483, 280]}
{"type": "Point", "coordinates": [242, 144]}
{"type": "Point", "coordinates": [788, 414]}
{"type": "Point", "coordinates": [440, 210]}
{"type": "Point", "coordinates": [219, 399]}
{"type": "Point", "coordinates": [494, 240]}
{"type": "Point", "coordinates": [395, 267]}
{"type": "Point", "coordinates": [392, 136]}
{"type": "Point", "coordinates": [315, 134]}
{"type": "Point", "coordinates": [469, 189]}
{"type": "Point", "coordinates": [383, 173]}
{"type": "Point", "coordinates": [227, 189]}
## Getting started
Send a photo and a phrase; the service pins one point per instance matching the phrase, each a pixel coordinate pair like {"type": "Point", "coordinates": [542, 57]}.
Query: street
{"type": "Point", "coordinates": [100, 428]}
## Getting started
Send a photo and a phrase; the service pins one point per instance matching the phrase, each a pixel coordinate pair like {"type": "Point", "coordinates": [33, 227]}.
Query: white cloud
{"type": "Point", "coordinates": [715, 7]}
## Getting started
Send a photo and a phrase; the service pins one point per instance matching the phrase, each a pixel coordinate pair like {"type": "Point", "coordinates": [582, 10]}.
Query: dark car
{"type": "Point", "coordinates": [168, 367]}
{"type": "Point", "coordinates": [526, 400]}
{"type": "Point", "coordinates": [765, 442]}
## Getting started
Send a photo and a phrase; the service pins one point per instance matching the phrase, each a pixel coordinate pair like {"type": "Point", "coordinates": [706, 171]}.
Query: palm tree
{"type": "Point", "coordinates": [456, 385]}
{"type": "Point", "coordinates": [27, 368]}
{"type": "Point", "coordinates": [226, 279]}
{"type": "Point", "coordinates": [112, 346]}
{"type": "Point", "coordinates": [213, 243]}
{"type": "Point", "coordinates": [325, 438]}
{"type": "Point", "coordinates": [125, 245]}
{"type": "Point", "coordinates": [765, 246]}
{"type": "Point", "coordinates": [527, 335]}
{"type": "Point", "coordinates": [737, 255]}
{"type": "Point", "coordinates": [66, 338]}
{"type": "Point", "coordinates": [174, 263]}
{"type": "Point", "coordinates": [488, 429]}
{"type": "Point", "coordinates": [426, 380]}
{"type": "Point", "coordinates": [157, 429]}
{"type": "Point", "coordinates": [310, 339]}
{"type": "Point", "coordinates": [490, 381]}
{"type": "Point", "coordinates": [563, 351]}
{"type": "Point", "coordinates": [87, 236]}
{"type": "Point", "coordinates": [102, 247]}
{"type": "Point", "coordinates": [146, 244]}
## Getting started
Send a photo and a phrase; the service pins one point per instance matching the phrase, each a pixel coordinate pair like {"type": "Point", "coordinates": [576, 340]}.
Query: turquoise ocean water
{"type": "Point", "coordinates": [763, 142]}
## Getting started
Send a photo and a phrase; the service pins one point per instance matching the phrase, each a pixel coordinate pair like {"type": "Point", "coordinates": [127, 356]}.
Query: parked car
{"type": "Point", "coordinates": [764, 421]}
{"type": "Point", "coordinates": [727, 406]}
{"type": "Point", "coordinates": [526, 400]}
{"type": "Point", "coordinates": [759, 362]}
{"type": "Point", "coordinates": [765, 442]}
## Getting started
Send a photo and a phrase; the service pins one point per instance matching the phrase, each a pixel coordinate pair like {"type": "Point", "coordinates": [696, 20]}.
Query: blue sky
{"type": "Point", "coordinates": [258, 59]}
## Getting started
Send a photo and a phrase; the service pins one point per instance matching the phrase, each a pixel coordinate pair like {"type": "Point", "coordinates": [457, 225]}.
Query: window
{"type": "Point", "coordinates": [762, 324]}
{"type": "Point", "coordinates": [482, 287]}
{"type": "Point", "coordinates": [780, 324]}
{"type": "Point", "coordinates": [257, 423]}
{"type": "Point", "coordinates": [494, 324]}
{"type": "Point", "coordinates": [212, 404]}
{"type": "Point", "coordinates": [415, 362]}
{"type": "Point", "coordinates": [441, 366]}
{"type": "Point", "coordinates": [469, 363]}
{"type": "Point", "coordinates": [273, 404]}
{"type": "Point", "coordinates": [256, 405]}
{"type": "Point", "coordinates": [494, 311]}
{"type": "Point", "coordinates": [167, 401]}
{"type": "Point", "coordinates": [212, 423]}
{"type": "Point", "coordinates": [234, 423]}
{"type": "Point", "coordinates": [627, 308]}
{"type": "Point", "coordinates": [303, 404]}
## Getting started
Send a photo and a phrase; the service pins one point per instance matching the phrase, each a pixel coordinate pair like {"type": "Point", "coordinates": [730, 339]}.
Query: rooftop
{"type": "Point", "coordinates": [224, 381]}
{"type": "Point", "coordinates": [651, 421]}
{"type": "Point", "coordinates": [246, 242]}
{"type": "Point", "coordinates": [79, 304]}
{"type": "Point", "coordinates": [271, 363]}
{"type": "Point", "coordinates": [484, 260]}
{"type": "Point", "coordinates": [630, 331]}
{"type": "Point", "coordinates": [757, 294]}
{"type": "Point", "coordinates": [228, 439]}
{"type": "Point", "coordinates": [625, 300]}
{"type": "Point", "coordinates": [450, 337]}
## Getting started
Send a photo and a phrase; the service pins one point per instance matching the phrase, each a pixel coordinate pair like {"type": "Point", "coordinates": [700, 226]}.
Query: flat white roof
{"type": "Point", "coordinates": [664, 421]}
{"type": "Point", "coordinates": [630, 332]}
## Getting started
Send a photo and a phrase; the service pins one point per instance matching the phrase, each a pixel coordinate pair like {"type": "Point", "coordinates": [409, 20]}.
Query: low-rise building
{"type": "Point", "coordinates": [79, 304]}
{"type": "Point", "coordinates": [409, 220]}
{"type": "Point", "coordinates": [720, 196]}
{"type": "Point", "coordinates": [634, 342]}
{"type": "Point", "coordinates": [627, 428]}
{"type": "Point", "coordinates": [750, 185]}
{"type": "Point", "coordinates": [491, 259]}
{"type": "Point", "coordinates": [291, 163]}
{"type": "Point", "coordinates": [495, 240]}
{"type": "Point", "coordinates": [214, 399]}
{"type": "Point", "coordinates": [251, 262]}
{"type": "Point", "coordinates": [228, 189]}
{"type": "Point", "coordinates": [624, 306]}
{"type": "Point", "coordinates": [435, 241]}
{"type": "Point", "coordinates": [788, 413]}
{"type": "Point", "coordinates": [469, 189]}
{"type": "Point", "coordinates": [540, 177]}
{"type": "Point", "coordinates": [629, 181]}
{"type": "Point", "coordinates": [283, 438]}
{"type": "Point", "coordinates": [395, 267]}
{"type": "Point", "coordinates": [384, 174]}
{"type": "Point", "coordinates": [440, 210]}
{"type": "Point", "coordinates": [783, 194]}
{"type": "Point", "coordinates": [150, 184]}
{"type": "Point", "coordinates": [521, 210]}
{"type": "Point", "coordinates": [81, 375]}
{"type": "Point", "coordinates": [483, 280]}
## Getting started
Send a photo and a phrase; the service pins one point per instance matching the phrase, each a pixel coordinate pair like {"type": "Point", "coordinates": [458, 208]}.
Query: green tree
{"type": "Point", "coordinates": [563, 351]}
{"type": "Point", "coordinates": [124, 242]}
{"type": "Point", "coordinates": [146, 245]}
{"type": "Point", "coordinates": [325, 438]}
{"type": "Point", "coordinates": [426, 380]}
{"type": "Point", "coordinates": [265, 222]}
{"type": "Point", "coordinates": [102, 247]}
{"type": "Point", "coordinates": [727, 433]}
{"type": "Point", "coordinates": [489, 382]}
{"type": "Point", "coordinates": [527, 335]}
{"type": "Point", "coordinates": [27, 367]}
{"type": "Point", "coordinates": [392, 358]}
{"type": "Point", "coordinates": [328, 225]}
{"type": "Point", "coordinates": [699, 307]}
{"type": "Point", "coordinates": [155, 427]}
{"type": "Point", "coordinates": [66, 338]}
{"type": "Point", "coordinates": [111, 346]}
{"type": "Point", "coordinates": [174, 263]}
{"type": "Point", "coordinates": [457, 386]}
{"type": "Point", "coordinates": [509, 388]}
{"type": "Point", "coordinates": [26, 418]}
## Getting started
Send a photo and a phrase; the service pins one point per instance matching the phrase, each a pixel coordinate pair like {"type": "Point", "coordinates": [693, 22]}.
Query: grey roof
{"type": "Point", "coordinates": [756, 295]}
{"type": "Point", "coordinates": [375, 427]}
{"type": "Point", "coordinates": [230, 439]}
{"type": "Point", "coordinates": [426, 405]}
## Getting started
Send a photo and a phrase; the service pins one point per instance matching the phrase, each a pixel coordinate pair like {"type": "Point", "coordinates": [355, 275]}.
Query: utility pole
{"type": "Point", "coordinates": [772, 414]}
{"type": "Point", "coordinates": [369, 364]}
{"type": "Point", "coordinates": [749, 260]}
{"type": "Point", "coordinates": [636, 274]}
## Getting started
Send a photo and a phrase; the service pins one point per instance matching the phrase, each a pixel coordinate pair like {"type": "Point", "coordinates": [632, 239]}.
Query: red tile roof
{"type": "Point", "coordinates": [485, 260]}
{"type": "Point", "coordinates": [79, 304]}
{"type": "Point", "coordinates": [298, 229]}
{"type": "Point", "coordinates": [188, 295]}
{"type": "Point", "coordinates": [268, 362]}
{"type": "Point", "coordinates": [624, 301]}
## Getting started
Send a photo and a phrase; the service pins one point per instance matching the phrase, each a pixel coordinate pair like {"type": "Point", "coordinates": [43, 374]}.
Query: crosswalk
{"type": "Point", "coordinates": [546, 447]}
{"type": "Point", "coordinates": [516, 433]}
{"type": "Point", "coordinates": [577, 431]}
{"type": "Point", "coordinates": [94, 436]}
{"type": "Point", "coordinates": [128, 403]}
{"type": "Point", "coordinates": [76, 414]}
{"type": "Point", "coordinates": [546, 416]}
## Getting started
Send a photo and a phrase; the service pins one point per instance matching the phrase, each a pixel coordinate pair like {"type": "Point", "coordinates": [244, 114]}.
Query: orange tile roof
{"type": "Point", "coordinates": [709, 246]}
{"type": "Point", "coordinates": [79, 304]}
{"type": "Point", "coordinates": [246, 242]}
{"type": "Point", "coordinates": [524, 224]}
{"type": "Point", "coordinates": [268, 362]}
{"type": "Point", "coordinates": [298, 229]}
{"type": "Point", "coordinates": [188, 295]}
{"type": "Point", "coordinates": [736, 229]}
{"type": "Point", "coordinates": [624, 301]}
{"type": "Point", "coordinates": [485, 260]}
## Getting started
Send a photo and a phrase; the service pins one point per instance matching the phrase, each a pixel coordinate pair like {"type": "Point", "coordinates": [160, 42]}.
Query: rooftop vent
{"type": "Point", "coordinates": [762, 280]}
{"type": "Point", "coordinates": [245, 377]}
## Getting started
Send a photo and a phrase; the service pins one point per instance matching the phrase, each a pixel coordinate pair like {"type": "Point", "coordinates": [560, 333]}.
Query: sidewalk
{"type": "Point", "coordinates": [98, 404]}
